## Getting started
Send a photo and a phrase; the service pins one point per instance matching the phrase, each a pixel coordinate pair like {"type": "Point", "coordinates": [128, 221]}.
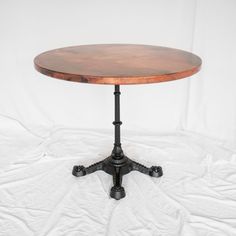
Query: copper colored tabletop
{"type": "Point", "coordinates": [117, 64]}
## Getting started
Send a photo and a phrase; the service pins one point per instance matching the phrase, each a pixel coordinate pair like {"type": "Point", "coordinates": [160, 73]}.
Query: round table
{"type": "Point", "coordinates": [117, 64]}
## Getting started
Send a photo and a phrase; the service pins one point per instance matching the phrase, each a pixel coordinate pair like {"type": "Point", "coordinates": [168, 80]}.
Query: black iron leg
{"type": "Point", "coordinates": [117, 164]}
{"type": "Point", "coordinates": [154, 171]}
{"type": "Point", "coordinates": [117, 191]}
{"type": "Point", "coordinates": [81, 170]}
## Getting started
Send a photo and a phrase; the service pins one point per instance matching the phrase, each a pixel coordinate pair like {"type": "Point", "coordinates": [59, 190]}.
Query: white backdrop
{"type": "Point", "coordinates": [205, 103]}
{"type": "Point", "coordinates": [186, 126]}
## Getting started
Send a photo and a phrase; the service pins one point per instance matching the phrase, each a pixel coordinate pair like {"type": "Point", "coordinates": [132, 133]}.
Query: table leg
{"type": "Point", "coordinates": [117, 164]}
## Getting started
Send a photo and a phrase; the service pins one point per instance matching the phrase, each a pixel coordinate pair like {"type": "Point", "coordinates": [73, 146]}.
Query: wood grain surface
{"type": "Point", "coordinates": [117, 64]}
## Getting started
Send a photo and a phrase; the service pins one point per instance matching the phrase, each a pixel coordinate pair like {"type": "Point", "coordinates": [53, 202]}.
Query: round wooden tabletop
{"type": "Point", "coordinates": [117, 64]}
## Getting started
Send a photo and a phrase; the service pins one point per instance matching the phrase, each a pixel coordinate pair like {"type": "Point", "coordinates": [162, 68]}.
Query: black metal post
{"type": "Point", "coordinates": [117, 152]}
{"type": "Point", "coordinates": [117, 164]}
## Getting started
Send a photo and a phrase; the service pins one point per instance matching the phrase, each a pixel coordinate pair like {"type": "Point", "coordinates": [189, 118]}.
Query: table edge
{"type": "Point", "coordinates": [119, 80]}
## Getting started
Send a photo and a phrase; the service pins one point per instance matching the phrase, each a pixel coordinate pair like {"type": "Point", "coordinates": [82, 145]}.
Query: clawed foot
{"type": "Point", "coordinates": [78, 171]}
{"type": "Point", "coordinates": [156, 171]}
{"type": "Point", "coordinates": [117, 192]}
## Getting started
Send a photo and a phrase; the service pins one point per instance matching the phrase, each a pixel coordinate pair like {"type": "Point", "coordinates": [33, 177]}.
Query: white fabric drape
{"type": "Point", "coordinates": [187, 126]}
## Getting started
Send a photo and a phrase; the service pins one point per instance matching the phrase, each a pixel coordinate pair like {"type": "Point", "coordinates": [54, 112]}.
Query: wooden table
{"type": "Point", "coordinates": [117, 64]}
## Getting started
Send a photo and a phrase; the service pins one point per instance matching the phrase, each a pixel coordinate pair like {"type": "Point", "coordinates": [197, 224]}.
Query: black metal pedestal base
{"type": "Point", "coordinates": [117, 164]}
{"type": "Point", "coordinates": [117, 168]}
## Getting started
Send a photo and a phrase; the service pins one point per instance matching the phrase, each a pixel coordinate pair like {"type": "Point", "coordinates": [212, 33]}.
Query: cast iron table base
{"type": "Point", "coordinates": [117, 164]}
